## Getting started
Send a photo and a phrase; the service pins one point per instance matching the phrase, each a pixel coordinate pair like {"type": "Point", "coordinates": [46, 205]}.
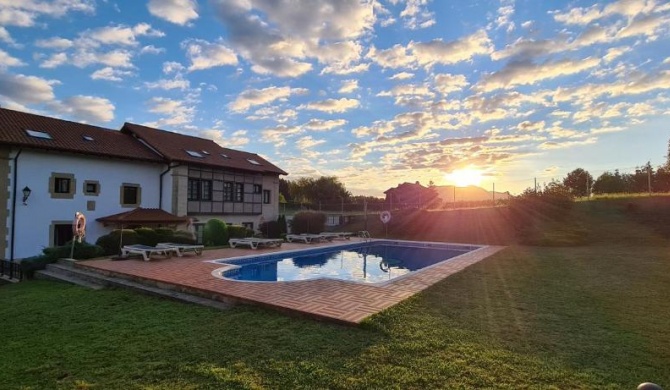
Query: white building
{"type": "Point", "coordinates": [62, 167]}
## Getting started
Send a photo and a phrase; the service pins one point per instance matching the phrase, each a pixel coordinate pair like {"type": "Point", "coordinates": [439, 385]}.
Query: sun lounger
{"type": "Point", "coordinates": [340, 235]}
{"type": "Point", "coordinates": [182, 248]}
{"type": "Point", "coordinates": [307, 238]}
{"type": "Point", "coordinates": [254, 243]}
{"type": "Point", "coordinates": [147, 251]}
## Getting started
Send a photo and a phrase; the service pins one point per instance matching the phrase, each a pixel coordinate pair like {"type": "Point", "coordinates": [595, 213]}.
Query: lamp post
{"type": "Point", "coordinates": [26, 194]}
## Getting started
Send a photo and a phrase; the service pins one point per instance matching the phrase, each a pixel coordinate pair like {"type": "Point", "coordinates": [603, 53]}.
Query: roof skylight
{"type": "Point", "coordinates": [251, 160]}
{"type": "Point", "coordinates": [205, 152]}
{"type": "Point", "coordinates": [88, 138]}
{"type": "Point", "coordinates": [38, 134]}
{"type": "Point", "coordinates": [194, 154]}
{"type": "Point", "coordinates": [224, 155]}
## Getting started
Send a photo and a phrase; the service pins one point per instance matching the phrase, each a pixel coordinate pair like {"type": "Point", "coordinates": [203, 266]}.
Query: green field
{"type": "Point", "coordinates": [594, 315]}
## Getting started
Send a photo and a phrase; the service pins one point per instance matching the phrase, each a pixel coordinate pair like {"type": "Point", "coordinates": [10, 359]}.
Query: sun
{"type": "Point", "coordinates": [464, 177]}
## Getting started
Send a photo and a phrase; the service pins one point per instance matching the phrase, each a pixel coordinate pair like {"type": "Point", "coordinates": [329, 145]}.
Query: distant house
{"type": "Point", "coordinates": [52, 168]}
{"type": "Point", "coordinates": [415, 195]}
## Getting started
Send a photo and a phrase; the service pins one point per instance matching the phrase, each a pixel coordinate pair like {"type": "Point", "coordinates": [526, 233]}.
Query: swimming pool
{"type": "Point", "coordinates": [368, 262]}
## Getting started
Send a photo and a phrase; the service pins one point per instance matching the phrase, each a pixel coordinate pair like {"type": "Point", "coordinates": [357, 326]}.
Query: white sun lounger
{"type": "Point", "coordinates": [340, 235]}
{"type": "Point", "coordinates": [182, 248]}
{"type": "Point", "coordinates": [147, 251]}
{"type": "Point", "coordinates": [307, 238]}
{"type": "Point", "coordinates": [254, 243]}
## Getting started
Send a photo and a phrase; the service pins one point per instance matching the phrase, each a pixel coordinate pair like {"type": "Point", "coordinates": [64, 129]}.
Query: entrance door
{"type": "Point", "coordinates": [62, 234]}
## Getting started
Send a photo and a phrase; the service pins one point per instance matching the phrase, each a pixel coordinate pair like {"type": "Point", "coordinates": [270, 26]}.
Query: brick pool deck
{"type": "Point", "coordinates": [325, 299]}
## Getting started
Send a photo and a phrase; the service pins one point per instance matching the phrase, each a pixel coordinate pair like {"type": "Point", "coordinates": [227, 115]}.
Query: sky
{"type": "Point", "coordinates": [375, 92]}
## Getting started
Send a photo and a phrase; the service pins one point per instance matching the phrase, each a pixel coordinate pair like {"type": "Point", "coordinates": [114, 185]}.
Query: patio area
{"type": "Point", "coordinates": [323, 299]}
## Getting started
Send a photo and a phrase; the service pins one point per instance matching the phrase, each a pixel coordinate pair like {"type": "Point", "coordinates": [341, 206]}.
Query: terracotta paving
{"type": "Point", "coordinates": [326, 299]}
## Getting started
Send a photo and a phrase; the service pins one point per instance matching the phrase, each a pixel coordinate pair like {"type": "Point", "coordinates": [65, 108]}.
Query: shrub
{"type": "Point", "coordinates": [270, 229]}
{"type": "Point", "coordinates": [239, 231]}
{"type": "Point", "coordinates": [216, 233]}
{"type": "Point", "coordinates": [164, 234]}
{"type": "Point", "coordinates": [146, 236]}
{"type": "Point", "coordinates": [283, 229]}
{"type": "Point", "coordinates": [308, 222]}
{"type": "Point", "coordinates": [82, 250]}
{"type": "Point", "coordinates": [35, 263]}
{"type": "Point", "coordinates": [182, 237]}
{"type": "Point", "coordinates": [111, 243]}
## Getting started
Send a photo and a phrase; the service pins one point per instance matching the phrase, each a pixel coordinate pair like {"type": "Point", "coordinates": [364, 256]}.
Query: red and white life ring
{"type": "Point", "coordinates": [385, 217]}
{"type": "Point", "coordinates": [79, 226]}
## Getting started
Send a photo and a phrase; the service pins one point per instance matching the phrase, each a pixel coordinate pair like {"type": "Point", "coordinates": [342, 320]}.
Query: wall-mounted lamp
{"type": "Point", "coordinates": [26, 194]}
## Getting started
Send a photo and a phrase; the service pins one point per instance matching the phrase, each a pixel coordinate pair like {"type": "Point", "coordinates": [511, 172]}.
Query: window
{"type": "Point", "coordinates": [38, 134]}
{"type": "Point", "coordinates": [227, 191]}
{"type": "Point", "coordinates": [62, 233]}
{"type": "Point", "coordinates": [266, 196]}
{"type": "Point", "coordinates": [224, 155]}
{"type": "Point", "coordinates": [258, 188]}
{"type": "Point", "coordinates": [239, 192]}
{"type": "Point", "coordinates": [91, 187]}
{"type": "Point", "coordinates": [199, 189]}
{"type": "Point", "coordinates": [252, 161]}
{"type": "Point", "coordinates": [131, 195]}
{"type": "Point", "coordinates": [62, 185]}
{"type": "Point", "coordinates": [87, 138]}
{"type": "Point", "coordinates": [194, 154]}
{"type": "Point", "coordinates": [205, 152]}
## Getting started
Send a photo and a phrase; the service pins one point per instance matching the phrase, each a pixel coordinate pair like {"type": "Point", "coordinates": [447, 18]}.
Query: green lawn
{"type": "Point", "coordinates": [592, 316]}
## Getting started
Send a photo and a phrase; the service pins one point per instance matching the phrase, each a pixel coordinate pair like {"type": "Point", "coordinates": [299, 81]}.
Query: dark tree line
{"type": "Point", "coordinates": [645, 178]}
{"type": "Point", "coordinates": [325, 190]}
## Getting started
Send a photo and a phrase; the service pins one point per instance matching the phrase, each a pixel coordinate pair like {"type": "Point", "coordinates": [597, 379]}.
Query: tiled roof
{"type": "Point", "coordinates": [176, 147]}
{"type": "Point", "coordinates": [141, 216]}
{"type": "Point", "coordinates": [69, 136]}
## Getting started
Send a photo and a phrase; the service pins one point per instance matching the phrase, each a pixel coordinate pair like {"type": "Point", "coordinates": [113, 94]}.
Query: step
{"type": "Point", "coordinates": [47, 274]}
{"type": "Point", "coordinates": [96, 278]}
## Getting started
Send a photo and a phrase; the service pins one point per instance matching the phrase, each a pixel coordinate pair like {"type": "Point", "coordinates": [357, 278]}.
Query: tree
{"type": "Point", "coordinates": [611, 183]}
{"type": "Point", "coordinates": [578, 182]}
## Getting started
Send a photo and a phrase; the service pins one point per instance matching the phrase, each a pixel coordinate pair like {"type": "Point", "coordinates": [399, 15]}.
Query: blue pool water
{"type": "Point", "coordinates": [370, 262]}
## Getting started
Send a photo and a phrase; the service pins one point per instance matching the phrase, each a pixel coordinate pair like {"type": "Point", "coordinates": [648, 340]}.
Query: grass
{"type": "Point", "coordinates": [589, 316]}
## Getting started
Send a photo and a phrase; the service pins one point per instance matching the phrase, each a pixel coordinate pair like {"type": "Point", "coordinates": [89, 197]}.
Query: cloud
{"type": "Point", "coordinates": [178, 112]}
{"type": "Point", "coordinates": [550, 145]}
{"type": "Point", "coordinates": [56, 43]}
{"type": "Point", "coordinates": [235, 140]}
{"type": "Point", "coordinates": [172, 67]}
{"type": "Point", "coordinates": [416, 15]}
{"type": "Point", "coordinates": [278, 134]}
{"type": "Point", "coordinates": [110, 74]}
{"type": "Point", "coordinates": [402, 76]}
{"type": "Point", "coordinates": [54, 61]}
{"type": "Point", "coordinates": [205, 55]}
{"type": "Point", "coordinates": [175, 11]}
{"type": "Point", "coordinates": [4, 35]}
{"type": "Point", "coordinates": [25, 12]}
{"type": "Point", "coordinates": [435, 52]}
{"type": "Point", "coordinates": [114, 58]}
{"type": "Point", "coordinates": [257, 97]}
{"type": "Point", "coordinates": [279, 37]}
{"type": "Point", "coordinates": [331, 105]}
{"type": "Point", "coordinates": [151, 49]}
{"type": "Point", "coordinates": [26, 89]}
{"type": "Point", "coordinates": [86, 108]}
{"type": "Point", "coordinates": [525, 73]}
{"type": "Point", "coordinates": [178, 82]}
{"type": "Point", "coordinates": [628, 8]}
{"type": "Point", "coordinates": [308, 142]}
{"type": "Point", "coordinates": [446, 83]}
{"type": "Point", "coordinates": [6, 60]}
{"type": "Point", "coordinates": [323, 125]}
{"type": "Point", "coordinates": [348, 86]}
{"type": "Point", "coordinates": [117, 35]}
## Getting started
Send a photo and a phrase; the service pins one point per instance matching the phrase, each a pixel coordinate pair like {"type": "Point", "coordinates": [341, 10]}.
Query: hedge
{"type": "Point", "coordinates": [308, 222]}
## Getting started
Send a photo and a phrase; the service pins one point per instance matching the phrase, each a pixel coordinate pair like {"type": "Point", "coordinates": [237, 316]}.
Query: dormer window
{"type": "Point", "coordinates": [251, 160]}
{"type": "Point", "coordinates": [194, 154]}
{"type": "Point", "coordinates": [87, 138]}
{"type": "Point", "coordinates": [38, 134]}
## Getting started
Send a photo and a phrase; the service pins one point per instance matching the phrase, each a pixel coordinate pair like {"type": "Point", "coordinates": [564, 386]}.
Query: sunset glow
{"type": "Point", "coordinates": [464, 177]}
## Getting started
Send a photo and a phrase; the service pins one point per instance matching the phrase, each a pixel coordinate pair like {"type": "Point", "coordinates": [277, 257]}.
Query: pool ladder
{"type": "Point", "coordinates": [365, 235]}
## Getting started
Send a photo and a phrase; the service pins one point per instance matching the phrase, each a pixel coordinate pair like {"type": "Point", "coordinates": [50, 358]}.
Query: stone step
{"type": "Point", "coordinates": [50, 274]}
{"type": "Point", "coordinates": [65, 272]}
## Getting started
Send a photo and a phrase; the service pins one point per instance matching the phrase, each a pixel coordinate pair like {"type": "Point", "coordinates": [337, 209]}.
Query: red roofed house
{"type": "Point", "coordinates": [52, 168]}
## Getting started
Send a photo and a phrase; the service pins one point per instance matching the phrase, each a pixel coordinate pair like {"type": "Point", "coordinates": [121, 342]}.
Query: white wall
{"type": "Point", "coordinates": [33, 220]}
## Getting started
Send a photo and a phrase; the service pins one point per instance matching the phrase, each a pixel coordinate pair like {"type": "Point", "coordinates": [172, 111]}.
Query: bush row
{"type": "Point", "coordinates": [82, 251]}
{"type": "Point", "coordinates": [112, 242]}
{"type": "Point", "coordinates": [308, 222]}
